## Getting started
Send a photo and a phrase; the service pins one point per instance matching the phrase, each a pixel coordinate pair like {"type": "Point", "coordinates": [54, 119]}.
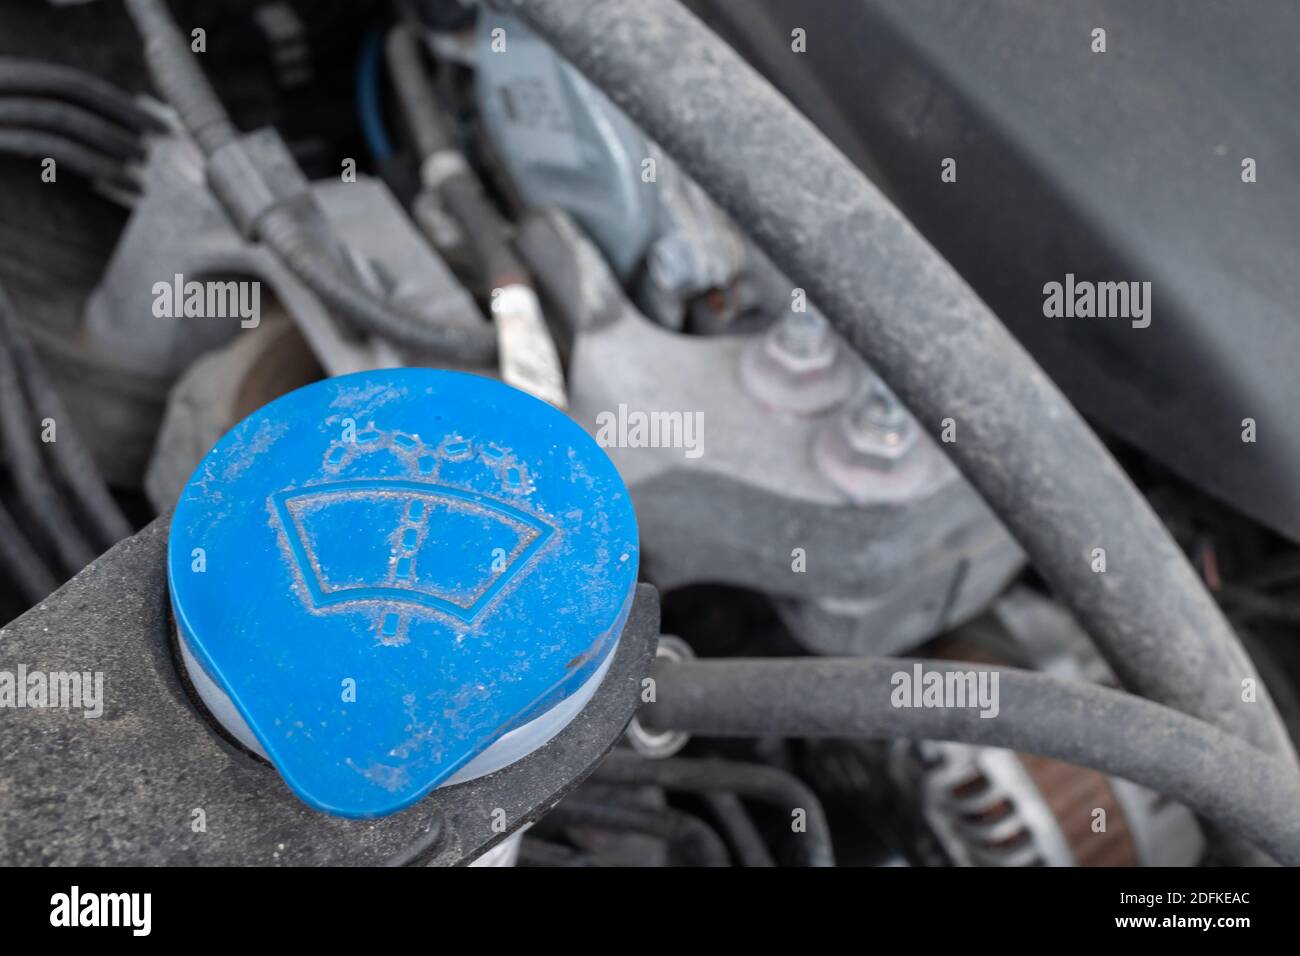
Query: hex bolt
{"type": "Point", "coordinates": [875, 431]}
{"type": "Point", "coordinates": [879, 416]}
{"type": "Point", "coordinates": [803, 335]}
{"type": "Point", "coordinates": [798, 366]}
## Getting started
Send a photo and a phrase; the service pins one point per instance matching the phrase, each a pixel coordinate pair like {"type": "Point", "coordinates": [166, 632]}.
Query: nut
{"type": "Point", "coordinates": [878, 429]}
{"type": "Point", "coordinates": [802, 342]}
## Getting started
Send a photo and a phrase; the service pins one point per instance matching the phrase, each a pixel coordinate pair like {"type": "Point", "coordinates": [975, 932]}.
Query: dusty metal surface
{"type": "Point", "coordinates": [765, 492]}
{"type": "Point", "coordinates": [178, 229]}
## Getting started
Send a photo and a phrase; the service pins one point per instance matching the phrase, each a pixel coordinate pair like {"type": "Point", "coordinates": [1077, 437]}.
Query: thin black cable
{"type": "Point", "coordinates": [420, 107]}
{"type": "Point", "coordinates": [537, 852]}
{"type": "Point", "coordinates": [1255, 604]}
{"type": "Point", "coordinates": [19, 75]}
{"type": "Point", "coordinates": [35, 486]}
{"type": "Point", "coordinates": [72, 121]}
{"type": "Point", "coordinates": [298, 248]}
{"type": "Point", "coordinates": [26, 568]}
{"type": "Point", "coordinates": [81, 159]}
{"type": "Point", "coordinates": [1276, 571]}
{"type": "Point", "coordinates": [709, 775]}
{"type": "Point", "coordinates": [72, 460]}
{"type": "Point", "coordinates": [459, 188]}
{"type": "Point", "coordinates": [690, 835]}
{"type": "Point", "coordinates": [1214, 773]}
{"type": "Point", "coordinates": [738, 828]}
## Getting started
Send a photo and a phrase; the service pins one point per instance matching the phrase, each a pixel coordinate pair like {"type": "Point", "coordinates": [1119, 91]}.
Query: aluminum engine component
{"type": "Point", "coordinates": [178, 229]}
{"type": "Point", "coordinates": [219, 390]}
{"type": "Point", "coordinates": [732, 488]}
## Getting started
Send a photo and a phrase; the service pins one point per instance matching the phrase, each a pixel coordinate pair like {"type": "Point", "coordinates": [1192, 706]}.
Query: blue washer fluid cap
{"type": "Point", "coordinates": [395, 579]}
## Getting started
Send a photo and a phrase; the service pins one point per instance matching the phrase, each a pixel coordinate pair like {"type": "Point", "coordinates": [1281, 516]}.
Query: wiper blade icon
{"type": "Point", "coordinates": [408, 544]}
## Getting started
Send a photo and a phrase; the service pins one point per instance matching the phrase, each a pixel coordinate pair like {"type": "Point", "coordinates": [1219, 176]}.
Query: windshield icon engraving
{"type": "Point", "coordinates": [406, 545]}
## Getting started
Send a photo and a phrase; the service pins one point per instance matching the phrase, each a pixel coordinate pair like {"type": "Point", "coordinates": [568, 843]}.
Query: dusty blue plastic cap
{"type": "Point", "coordinates": [386, 572]}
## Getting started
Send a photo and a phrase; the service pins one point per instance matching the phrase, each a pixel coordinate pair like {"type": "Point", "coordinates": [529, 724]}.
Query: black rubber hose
{"type": "Point", "coordinates": [1219, 776]}
{"type": "Point", "coordinates": [25, 567]}
{"type": "Point", "coordinates": [36, 488]}
{"type": "Point", "coordinates": [177, 75]}
{"type": "Point", "coordinates": [1254, 604]}
{"type": "Point", "coordinates": [738, 829]}
{"type": "Point", "coordinates": [37, 78]}
{"type": "Point", "coordinates": [78, 157]}
{"type": "Point", "coordinates": [460, 190]}
{"type": "Point", "coordinates": [71, 121]}
{"type": "Point", "coordinates": [691, 836]}
{"type": "Point", "coordinates": [755, 781]}
{"type": "Point", "coordinates": [72, 460]}
{"type": "Point", "coordinates": [537, 852]}
{"type": "Point", "coordinates": [897, 302]}
{"type": "Point", "coordinates": [420, 107]}
{"type": "Point", "coordinates": [298, 248]}
{"type": "Point", "coordinates": [485, 229]}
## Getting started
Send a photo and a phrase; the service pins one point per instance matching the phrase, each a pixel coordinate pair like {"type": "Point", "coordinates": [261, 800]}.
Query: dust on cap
{"type": "Point", "coordinates": [390, 580]}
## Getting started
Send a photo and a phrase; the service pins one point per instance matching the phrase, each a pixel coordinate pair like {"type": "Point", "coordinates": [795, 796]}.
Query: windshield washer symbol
{"type": "Point", "coordinates": [406, 545]}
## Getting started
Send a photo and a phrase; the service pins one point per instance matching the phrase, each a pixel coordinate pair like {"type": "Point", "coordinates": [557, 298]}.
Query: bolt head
{"type": "Point", "coordinates": [802, 343]}
{"type": "Point", "coordinates": [878, 433]}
